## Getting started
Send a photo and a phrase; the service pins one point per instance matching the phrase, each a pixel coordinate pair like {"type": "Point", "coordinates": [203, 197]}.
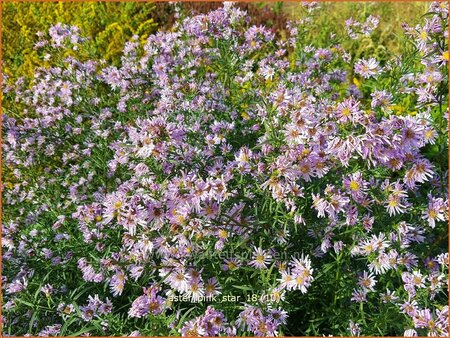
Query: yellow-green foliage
{"type": "Point", "coordinates": [330, 18]}
{"type": "Point", "coordinates": [109, 24]}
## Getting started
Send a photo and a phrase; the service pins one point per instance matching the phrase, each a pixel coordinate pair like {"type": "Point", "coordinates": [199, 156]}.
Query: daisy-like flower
{"type": "Point", "coordinates": [294, 135]}
{"type": "Point", "coordinates": [65, 309]}
{"type": "Point", "coordinates": [410, 308]}
{"type": "Point", "coordinates": [367, 222]}
{"type": "Point", "coordinates": [430, 135]}
{"type": "Point", "coordinates": [114, 203]}
{"type": "Point", "coordinates": [395, 205]}
{"type": "Point", "coordinates": [379, 242]}
{"type": "Point", "coordinates": [231, 264]}
{"type": "Point", "coordinates": [409, 260]}
{"type": "Point", "coordinates": [278, 316]}
{"type": "Point", "coordinates": [380, 265]}
{"type": "Point", "coordinates": [320, 204]}
{"type": "Point", "coordinates": [179, 280]}
{"type": "Point", "coordinates": [430, 263]}
{"type": "Point", "coordinates": [195, 290]}
{"type": "Point", "coordinates": [337, 203]}
{"type": "Point", "coordinates": [300, 282]}
{"type": "Point", "coordinates": [105, 307]}
{"type": "Point", "coordinates": [298, 276]}
{"type": "Point", "coordinates": [17, 285]}
{"type": "Point", "coordinates": [436, 280]}
{"type": "Point", "coordinates": [367, 246]}
{"type": "Point", "coordinates": [192, 328]}
{"type": "Point", "coordinates": [146, 147]}
{"type": "Point", "coordinates": [359, 295]}
{"type": "Point", "coordinates": [364, 248]}
{"type": "Point", "coordinates": [286, 280]}
{"type": "Point", "coordinates": [212, 287]}
{"type": "Point", "coordinates": [348, 110]}
{"type": "Point", "coordinates": [423, 37]}
{"type": "Point", "coordinates": [301, 265]}
{"type": "Point", "coordinates": [356, 186]}
{"type": "Point", "coordinates": [435, 211]}
{"type": "Point", "coordinates": [155, 213]}
{"type": "Point", "coordinates": [380, 98]}
{"type": "Point", "coordinates": [47, 290]}
{"type": "Point", "coordinates": [367, 68]}
{"type": "Point", "coordinates": [416, 279]}
{"type": "Point", "coordinates": [367, 281]}
{"type": "Point", "coordinates": [425, 94]}
{"type": "Point", "coordinates": [149, 302]}
{"type": "Point", "coordinates": [354, 329]}
{"type": "Point", "coordinates": [412, 132]}
{"type": "Point", "coordinates": [243, 158]}
{"type": "Point", "coordinates": [260, 258]}
{"type": "Point", "coordinates": [388, 297]}
{"type": "Point", "coordinates": [145, 244]}
{"type": "Point", "coordinates": [117, 282]}
{"type": "Point", "coordinates": [421, 171]}
{"type": "Point", "coordinates": [267, 72]}
{"type": "Point", "coordinates": [50, 330]}
{"type": "Point", "coordinates": [424, 319]}
{"type": "Point", "coordinates": [392, 258]}
{"type": "Point", "coordinates": [370, 24]}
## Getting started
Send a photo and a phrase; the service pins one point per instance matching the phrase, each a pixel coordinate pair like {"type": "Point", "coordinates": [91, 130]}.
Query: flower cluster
{"type": "Point", "coordinates": [355, 28]}
{"type": "Point", "coordinates": [217, 161]}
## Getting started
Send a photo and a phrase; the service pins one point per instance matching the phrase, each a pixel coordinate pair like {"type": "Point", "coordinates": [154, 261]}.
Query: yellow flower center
{"type": "Point", "coordinates": [231, 265]}
{"type": "Point", "coordinates": [345, 112]}
{"type": "Point", "coordinates": [428, 134]}
{"type": "Point", "coordinates": [180, 218]}
{"type": "Point", "coordinates": [299, 280]}
{"type": "Point", "coordinates": [354, 185]}
{"type": "Point", "coordinates": [223, 234]}
{"type": "Point", "coordinates": [417, 280]}
{"type": "Point", "coordinates": [368, 248]}
{"type": "Point", "coordinates": [432, 214]}
{"type": "Point", "coordinates": [393, 203]}
{"type": "Point", "coordinates": [305, 169]}
{"type": "Point", "coordinates": [423, 35]}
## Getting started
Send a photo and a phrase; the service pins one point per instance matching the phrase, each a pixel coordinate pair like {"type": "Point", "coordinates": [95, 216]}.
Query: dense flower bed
{"type": "Point", "coordinates": [223, 181]}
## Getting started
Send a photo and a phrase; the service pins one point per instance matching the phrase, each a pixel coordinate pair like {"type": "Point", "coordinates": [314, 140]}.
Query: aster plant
{"type": "Point", "coordinates": [221, 181]}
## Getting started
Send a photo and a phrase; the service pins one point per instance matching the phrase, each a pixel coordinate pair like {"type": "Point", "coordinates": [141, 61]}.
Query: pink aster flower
{"type": "Point", "coordinates": [354, 329]}
{"type": "Point", "coordinates": [117, 282]}
{"type": "Point", "coordinates": [356, 185]}
{"type": "Point", "coordinates": [367, 68]}
{"type": "Point", "coordinates": [260, 258]}
{"type": "Point", "coordinates": [423, 318]}
{"type": "Point", "coordinates": [435, 212]}
{"type": "Point", "coordinates": [367, 281]}
{"type": "Point", "coordinates": [395, 205]}
{"type": "Point", "coordinates": [359, 295]}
